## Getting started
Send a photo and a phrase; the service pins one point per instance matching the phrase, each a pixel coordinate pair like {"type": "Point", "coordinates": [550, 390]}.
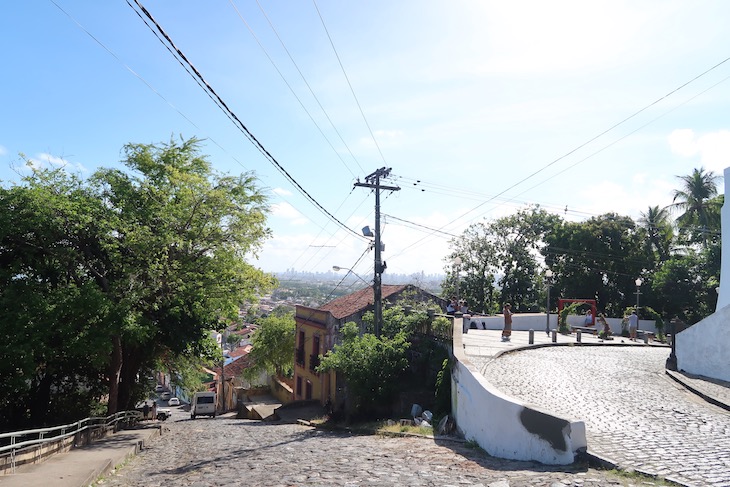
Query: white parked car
{"type": "Point", "coordinates": [173, 401]}
{"type": "Point", "coordinates": [163, 414]}
{"type": "Point", "coordinates": [165, 395]}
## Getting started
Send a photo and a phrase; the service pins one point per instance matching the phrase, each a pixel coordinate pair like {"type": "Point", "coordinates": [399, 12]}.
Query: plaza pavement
{"type": "Point", "coordinates": [638, 415]}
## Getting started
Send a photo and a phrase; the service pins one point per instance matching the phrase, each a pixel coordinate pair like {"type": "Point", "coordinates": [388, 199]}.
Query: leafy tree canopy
{"type": "Point", "coordinates": [273, 346]}
{"type": "Point", "coordinates": [116, 271]}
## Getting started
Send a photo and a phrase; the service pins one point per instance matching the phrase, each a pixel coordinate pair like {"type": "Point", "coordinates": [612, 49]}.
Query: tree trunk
{"type": "Point", "coordinates": [115, 372]}
{"type": "Point", "coordinates": [128, 377]}
{"type": "Point", "coordinates": [40, 400]}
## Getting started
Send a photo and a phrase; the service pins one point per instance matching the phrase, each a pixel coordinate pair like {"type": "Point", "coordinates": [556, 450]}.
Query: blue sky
{"type": "Point", "coordinates": [462, 99]}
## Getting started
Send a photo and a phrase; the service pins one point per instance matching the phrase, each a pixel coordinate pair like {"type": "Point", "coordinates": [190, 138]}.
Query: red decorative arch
{"type": "Point", "coordinates": [592, 302]}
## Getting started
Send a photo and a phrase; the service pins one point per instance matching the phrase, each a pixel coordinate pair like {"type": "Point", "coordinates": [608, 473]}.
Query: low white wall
{"type": "Point", "coordinates": [505, 427]}
{"type": "Point", "coordinates": [702, 348]}
{"type": "Point", "coordinates": [538, 321]}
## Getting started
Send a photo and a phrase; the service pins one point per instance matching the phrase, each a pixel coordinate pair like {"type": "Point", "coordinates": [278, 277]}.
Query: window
{"type": "Point", "coordinates": [299, 357]}
{"type": "Point", "coordinates": [308, 391]}
{"type": "Point", "coordinates": [314, 359]}
{"type": "Point", "coordinates": [299, 387]}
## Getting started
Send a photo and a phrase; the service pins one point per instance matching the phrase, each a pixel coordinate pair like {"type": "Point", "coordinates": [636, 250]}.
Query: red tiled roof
{"type": "Point", "coordinates": [359, 300]}
{"type": "Point", "coordinates": [240, 351]}
{"type": "Point", "coordinates": [234, 368]}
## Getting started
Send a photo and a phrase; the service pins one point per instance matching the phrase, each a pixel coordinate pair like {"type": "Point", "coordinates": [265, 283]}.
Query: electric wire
{"type": "Point", "coordinates": [291, 89]}
{"type": "Point", "coordinates": [143, 80]}
{"type": "Point", "coordinates": [352, 90]}
{"type": "Point", "coordinates": [241, 126]}
{"type": "Point", "coordinates": [586, 143]}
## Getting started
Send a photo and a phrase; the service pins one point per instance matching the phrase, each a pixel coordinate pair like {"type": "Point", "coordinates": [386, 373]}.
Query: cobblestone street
{"type": "Point", "coordinates": [226, 452]}
{"type": "Point", "coordinates": [635, 415]}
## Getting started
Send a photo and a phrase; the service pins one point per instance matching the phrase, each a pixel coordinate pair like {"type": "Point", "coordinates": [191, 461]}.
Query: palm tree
{"type": "Point", "coordinates": [698, 201]}
{"type": "Point", "coordinates": [659, 230]}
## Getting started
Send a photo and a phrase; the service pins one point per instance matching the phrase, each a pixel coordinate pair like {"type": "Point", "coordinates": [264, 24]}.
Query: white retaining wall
{"type": "Point", "coordinates": [702, 348]}
{"type": "Point", "coordinates": [505, 427]}
{"type": "Point", "coordinates": [538, 321]}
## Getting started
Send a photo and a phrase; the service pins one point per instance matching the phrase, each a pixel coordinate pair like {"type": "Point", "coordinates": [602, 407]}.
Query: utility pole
{"type": "Point", "coordinates": [373, 182]}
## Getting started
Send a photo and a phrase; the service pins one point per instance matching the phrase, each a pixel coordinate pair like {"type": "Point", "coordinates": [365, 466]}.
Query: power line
{"type": "Point", "coordinates": [237, 122]}
{"type": "Point", "coordinates": [342, 67]}
{"type": "Point", "coordinates": [588, 142]}
{"type": "Point", "coordinates": [281, 75]}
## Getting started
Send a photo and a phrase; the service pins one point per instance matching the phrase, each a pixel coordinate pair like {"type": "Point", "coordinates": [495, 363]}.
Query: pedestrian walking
{"type": "Point", "coordinates": [146, 410]}
{"type": "Point", "coordinates": [507, 330]}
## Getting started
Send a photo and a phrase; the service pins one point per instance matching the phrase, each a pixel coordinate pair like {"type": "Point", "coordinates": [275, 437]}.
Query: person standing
{"type": "Point", "coordinates": [507, 330]}
{"type": "Point", "coordinates": [633, 325]}
{"type": "Point", "coordinates": [588, 321]}
{"type": "Point", "coordinates": [452, 306]}
{"type": "Point", "coordinates": [606, 332]}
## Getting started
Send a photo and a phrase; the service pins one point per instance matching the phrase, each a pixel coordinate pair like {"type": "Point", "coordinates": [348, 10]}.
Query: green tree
{"type": "Point", "coordinates": [700, 205]}
{"type": "Point", "coordinates": [54, 320]}
{"type": "Point", "coordinates": [518, 239]}
{"type": "Point", "coordinates": [660, 236]}
{"type": "Point", "coordinates": [123, 268]}
{"type": "Point", "coordinates": [599, 258]}
{"type": "Point", "coordinates": [473, 279]}
{"type": "Point", "coordinates": [272, 346]}
{"type": "Point", "coordinates": [506, 247]}
{"type": "Point", "coordinates": [371, 366]}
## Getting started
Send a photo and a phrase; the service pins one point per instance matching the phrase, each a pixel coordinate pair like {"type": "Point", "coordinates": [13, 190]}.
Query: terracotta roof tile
{"type": "Point", "coordinates": [236, 367]}
{"type": "Point", "coordinates": [345, 306]}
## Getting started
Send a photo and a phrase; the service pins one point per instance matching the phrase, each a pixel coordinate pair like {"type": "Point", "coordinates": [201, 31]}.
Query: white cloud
{"type": "Point", "coordinates": [682, 142]}
{"type": "Point", "coordinates": [43, 160]}
{"type": "Point", "coordinates": [288, 212]}
{"type": "Point", "coordinates": [281, 192]}
{"type": "Point", "coordinates": [713, 148]}
{"type": "Point", "coordinates": [3, 151]}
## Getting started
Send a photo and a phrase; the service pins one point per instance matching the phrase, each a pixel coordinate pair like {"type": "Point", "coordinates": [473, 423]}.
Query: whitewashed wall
{"type": "Point", "coordinates": [505, 427]}
{"type": "Point", "coordinates": [702, 349]}
{"type": "Point", "coordinates": [538, 321]}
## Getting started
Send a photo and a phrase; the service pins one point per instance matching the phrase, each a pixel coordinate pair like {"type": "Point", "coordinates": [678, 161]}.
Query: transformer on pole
{"type": "Point", "coordinates": [373, 182]}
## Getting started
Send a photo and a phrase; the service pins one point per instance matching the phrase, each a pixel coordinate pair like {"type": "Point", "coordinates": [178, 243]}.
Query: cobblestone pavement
{"type": "Point", "coordinates": [227, 452]}
{"type": "Point", "coordinates": [635, 415]}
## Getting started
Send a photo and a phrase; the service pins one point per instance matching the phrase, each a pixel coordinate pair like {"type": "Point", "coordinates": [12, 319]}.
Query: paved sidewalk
{"type": "Point", "coordinates": [80, 467]}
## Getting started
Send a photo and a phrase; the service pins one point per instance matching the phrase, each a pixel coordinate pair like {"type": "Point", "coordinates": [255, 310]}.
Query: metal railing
{"type": "Point", "coordinates": [20, 440]}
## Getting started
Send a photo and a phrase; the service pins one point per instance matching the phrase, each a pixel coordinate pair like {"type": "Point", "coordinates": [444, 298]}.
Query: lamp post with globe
{"type": "Point", "coordinates": [548, 278]}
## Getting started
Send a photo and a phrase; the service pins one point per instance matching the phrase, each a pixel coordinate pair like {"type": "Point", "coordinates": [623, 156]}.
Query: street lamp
{"type": "Point", "coordinates": [638, 292]}
{"type": "Point", "coordinates": [548, 277]}
{"type": "Point", "coordinates": [337, 268]}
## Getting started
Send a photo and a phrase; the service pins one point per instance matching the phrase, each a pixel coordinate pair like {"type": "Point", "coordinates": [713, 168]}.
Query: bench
{"type": "Point", "coordinates": [645, 334]}
{"type": "Point", "coordinates": [584, 329]}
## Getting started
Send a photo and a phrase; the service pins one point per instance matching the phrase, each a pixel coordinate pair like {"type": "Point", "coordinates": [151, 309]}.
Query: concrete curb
{"type": "Point", "coordinates": [680, 379]}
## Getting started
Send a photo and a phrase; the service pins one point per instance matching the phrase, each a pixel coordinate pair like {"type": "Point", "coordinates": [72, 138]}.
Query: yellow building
{"type": "Point", "coordinates": [317, 331]}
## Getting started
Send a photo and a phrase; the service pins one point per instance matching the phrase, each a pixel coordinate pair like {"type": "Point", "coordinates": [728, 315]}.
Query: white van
{"type": "Point", "coordinates": [203, 404]}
